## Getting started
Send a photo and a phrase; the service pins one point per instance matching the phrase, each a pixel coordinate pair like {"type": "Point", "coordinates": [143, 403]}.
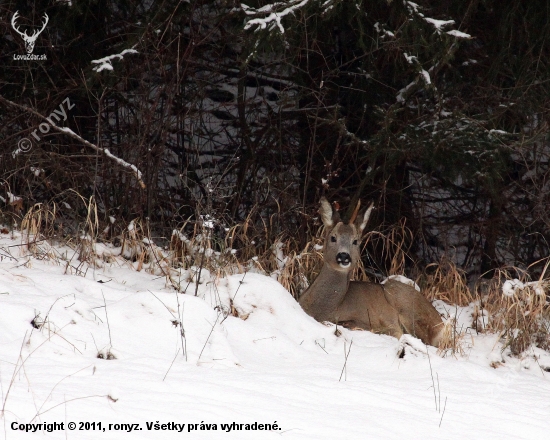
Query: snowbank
{"type": "Point", "coordinates": [241, 353]}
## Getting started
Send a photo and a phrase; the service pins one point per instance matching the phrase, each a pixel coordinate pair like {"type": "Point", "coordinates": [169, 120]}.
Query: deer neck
{"type": "Point", "coordinates": [322, 298]}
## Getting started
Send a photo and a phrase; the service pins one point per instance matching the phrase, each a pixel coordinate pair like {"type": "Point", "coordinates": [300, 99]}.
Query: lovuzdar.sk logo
{"type": "Point", "coordinates": [29, 40]}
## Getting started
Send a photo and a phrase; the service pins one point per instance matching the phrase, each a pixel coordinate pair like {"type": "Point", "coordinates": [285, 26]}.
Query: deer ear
{"type": "Point", "coordinates": [360, 223]}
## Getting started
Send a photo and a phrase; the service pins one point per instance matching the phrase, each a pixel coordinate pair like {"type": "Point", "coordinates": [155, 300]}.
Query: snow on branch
{"type": "Point", "coordinates": [404, 92]}
{"type": "Point", "coordinates": [440, 24]}
{"type": "Point", "coordinates": [425, 76]}
{"type": "Point", "coordinates": [459, 34]}
{"type": "Point", "coordinates": [411, 59]}
{"type": "Point", "coordinates": [105, 151]}
{"type": "Point", "coordinates": [67, 131]}
{"type": "Point", "coordinates": [437, 24]}
{"type": "Point", "coordinates": [271, 15]}
{"type": "Point", "coordinates": [105, 63]}
{"type": "Point", "coordinates": [123, 163]}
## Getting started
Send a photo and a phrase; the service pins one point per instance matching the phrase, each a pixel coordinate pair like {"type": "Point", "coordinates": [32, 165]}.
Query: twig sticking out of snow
{"type": "Point", "coordinates": [70, 133]}
{"type": "Point", "coordinates": [346, 355]}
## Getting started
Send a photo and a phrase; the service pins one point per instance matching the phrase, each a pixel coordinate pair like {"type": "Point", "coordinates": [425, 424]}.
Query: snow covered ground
{"type": "Point", "coordinates": [271, 365]}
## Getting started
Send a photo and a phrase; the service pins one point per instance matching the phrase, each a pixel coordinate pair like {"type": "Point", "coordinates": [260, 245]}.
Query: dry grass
{"type": "Point", "coordinates": [91, 227]}
{"type": "Point", "coordinates": [393, 247]}
{"type": "Point", "coordinates": [38, 223]}
{"type": "Point", "coordinates": [522, 317]}
{"type": "Point", "coordinates": [453, 339]}
{"type": "Point", "coordinates": [444, 281]}
{"type": "Point", "coordinates": [296, 270]}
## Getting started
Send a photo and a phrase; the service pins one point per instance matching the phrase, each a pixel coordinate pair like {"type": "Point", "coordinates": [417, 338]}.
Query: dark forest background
{"type": "Point", "coordinates": [437, 111]}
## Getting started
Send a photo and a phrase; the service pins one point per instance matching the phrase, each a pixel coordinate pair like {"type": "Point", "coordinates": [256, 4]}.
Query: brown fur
{"type": "Point", "coordinates": [393, 308]}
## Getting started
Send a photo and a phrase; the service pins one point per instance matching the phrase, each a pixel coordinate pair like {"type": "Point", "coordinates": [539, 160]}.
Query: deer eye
{"type": "Point", "coordinates": [355, 242]}
{"type": "Point", "coordinates": [333, 239]}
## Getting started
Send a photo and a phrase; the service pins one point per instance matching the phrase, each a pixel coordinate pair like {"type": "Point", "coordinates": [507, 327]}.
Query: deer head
{"type": "Point", "coordinates": [341, 249]}
{"type": "Point", "coordinates": [28, 39]}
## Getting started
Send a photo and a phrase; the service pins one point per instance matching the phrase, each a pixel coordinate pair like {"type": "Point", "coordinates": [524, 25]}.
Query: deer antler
{"type": "Point", "coordinates": [46, 19]}
{"type": "Point", "coordinates": [355, 212]}
{"type": "Point", "coordinates": [14, 26]}
{"type": "Point", "coordinates": [29, 39]}
{"type": "Point", "coordinates": [35, 33]}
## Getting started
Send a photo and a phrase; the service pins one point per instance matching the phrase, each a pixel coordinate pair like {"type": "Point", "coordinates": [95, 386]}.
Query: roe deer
{"type": "Point", "coordinates": [393, 308]}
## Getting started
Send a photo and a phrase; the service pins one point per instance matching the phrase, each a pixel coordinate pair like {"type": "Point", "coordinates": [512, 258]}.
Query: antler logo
{"type": "Point", "coordinates": [28, 39]}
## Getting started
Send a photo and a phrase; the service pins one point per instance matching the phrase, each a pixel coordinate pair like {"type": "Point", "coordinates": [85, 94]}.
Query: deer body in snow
{"type": "Point", "coordinates": [393, 308]}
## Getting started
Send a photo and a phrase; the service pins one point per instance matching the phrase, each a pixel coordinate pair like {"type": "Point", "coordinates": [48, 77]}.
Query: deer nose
{"type": "Point", "coordinates": [343, 259]}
